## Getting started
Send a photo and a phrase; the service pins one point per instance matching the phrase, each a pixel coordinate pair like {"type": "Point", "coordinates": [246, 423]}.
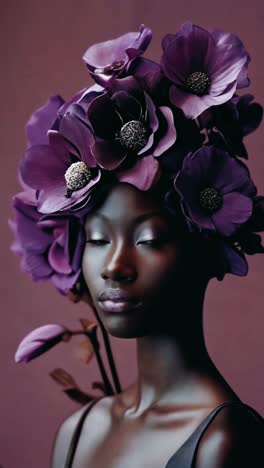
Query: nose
{"type": "Point", "coordinates": [120, 265]}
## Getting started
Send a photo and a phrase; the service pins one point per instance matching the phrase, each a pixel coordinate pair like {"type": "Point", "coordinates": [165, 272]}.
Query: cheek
{"type": "Point", "coordinates": [90, 268]}
{"type": "Point", "coordinates": [160, 268]}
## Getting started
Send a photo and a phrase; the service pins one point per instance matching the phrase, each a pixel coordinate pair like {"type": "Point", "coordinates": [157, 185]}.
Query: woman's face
{"type": "Point", "coordinates": [131, 262]}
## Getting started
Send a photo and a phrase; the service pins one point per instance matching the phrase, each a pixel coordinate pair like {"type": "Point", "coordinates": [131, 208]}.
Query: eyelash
{"type": "Point", "coordinates": [97, 242]}
{"type": "Point", "coordinates": [150, 242]}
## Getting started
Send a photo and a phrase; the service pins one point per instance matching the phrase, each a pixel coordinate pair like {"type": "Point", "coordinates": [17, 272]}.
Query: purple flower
{"type": "Point", "coordinates": [62, 174]}
{"type": "Point", "coordinates": [226, 258]}
{"type": "Point", "coordinates": [107, 60]}
{"type": "Point", "coordinates": [236, 119]}
{"type": "Point", "coordinates": [50, 247]}
{"type": "Point", "coordinates": [216, 190]}
{"type": "Point", "coordinates": [39, 341]}
{"type": "Point", "coordinates": [205, 67]}
{"type": "Point", "coordinates": [127, 125]}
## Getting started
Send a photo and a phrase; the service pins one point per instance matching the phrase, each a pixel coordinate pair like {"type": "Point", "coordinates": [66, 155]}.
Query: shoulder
{"type": "Point", "coordinates": [234, 438]}
{"type": "Point", "coordinates": [65, 432]}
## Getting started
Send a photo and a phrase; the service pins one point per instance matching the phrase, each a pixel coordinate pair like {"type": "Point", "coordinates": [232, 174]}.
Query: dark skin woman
{"type": "Point", "coordinates": [147, 280]}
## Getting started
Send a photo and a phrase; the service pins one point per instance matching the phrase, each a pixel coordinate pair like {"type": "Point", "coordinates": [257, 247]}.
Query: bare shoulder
{"type": "Point", "coordinates": [234, 439]}
{"type": "Point", "coordinates": [66, 430]}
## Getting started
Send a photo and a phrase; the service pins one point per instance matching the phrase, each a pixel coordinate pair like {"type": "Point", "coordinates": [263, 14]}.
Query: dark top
{"type": "Point", "coordinates": [184, 456]}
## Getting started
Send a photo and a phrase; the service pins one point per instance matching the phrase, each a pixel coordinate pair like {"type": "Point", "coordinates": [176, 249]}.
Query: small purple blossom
{"type": "Point", "coordinates": [127, 125]}
{"type": "Point", "coordinates": [50, 247]}
{"type": "Point", "coordinates": [39, 341]}
{"type": "Point", "coordinates": [110, 59]}
{"type": "Point", "coordinates": [205, 67]}
{"type": "Point", "coordinates": [216, 190]}
{"type": "Point", "coordinates": [236, 119]}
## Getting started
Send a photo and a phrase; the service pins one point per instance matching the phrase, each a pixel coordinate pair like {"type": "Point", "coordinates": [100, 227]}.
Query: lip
{"type": "Point", "coordinates": [116, 300]}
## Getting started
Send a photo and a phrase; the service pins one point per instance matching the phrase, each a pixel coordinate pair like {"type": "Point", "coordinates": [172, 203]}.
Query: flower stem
{"type": "Point", "coordinates": [109, 353]}
{"type": "Point", "coordinates": [107, 384]}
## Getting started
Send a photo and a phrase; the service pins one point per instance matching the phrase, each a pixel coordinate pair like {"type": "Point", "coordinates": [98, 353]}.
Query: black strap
{"type": "Point", "coordinates": [185, 455]}
{"type": "Point", "coordinates": [76, 434]}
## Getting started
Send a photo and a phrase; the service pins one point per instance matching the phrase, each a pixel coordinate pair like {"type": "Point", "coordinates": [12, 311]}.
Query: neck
{"type": "Point", "coordinates": [176, 368]}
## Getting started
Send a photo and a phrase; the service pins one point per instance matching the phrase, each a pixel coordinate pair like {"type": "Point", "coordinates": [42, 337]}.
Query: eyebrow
{"type": "Point", "coordinates": [137, 220]}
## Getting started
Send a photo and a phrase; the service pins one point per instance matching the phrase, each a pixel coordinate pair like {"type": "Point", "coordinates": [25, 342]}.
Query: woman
{"type": "Point", "coordinates": [146, 281]}
{"type": "Point", "coordinates": [135, 189]}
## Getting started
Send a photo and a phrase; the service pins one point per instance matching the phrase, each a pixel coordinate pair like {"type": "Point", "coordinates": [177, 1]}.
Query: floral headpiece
{"type": "Point", "coordinates": [141, 121]}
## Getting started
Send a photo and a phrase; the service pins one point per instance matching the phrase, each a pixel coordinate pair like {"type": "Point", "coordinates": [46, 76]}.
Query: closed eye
{"type": "Point", "coordinates": [151, 242]}
{"type": "Point", "coordinates": [97, 242]}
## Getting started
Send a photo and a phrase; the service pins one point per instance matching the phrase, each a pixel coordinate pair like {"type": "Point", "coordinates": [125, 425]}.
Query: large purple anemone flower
{"type": "Point", "coordinates": [128, 126]}
{"type": "Point", "coordinates": [205, 67]}
{"type": "Point", "coordinates": [110, 59]}
{"type": "Point", "coordinates": [50, 247]}
{"type": "Point", "coordinates": [216, 191]}
{"type": "Point", "coordinates": [62, 174]}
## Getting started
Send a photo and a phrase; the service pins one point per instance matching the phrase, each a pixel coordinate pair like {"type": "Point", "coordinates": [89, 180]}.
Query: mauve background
{"type": "Point", "coordinates": [41, 44]}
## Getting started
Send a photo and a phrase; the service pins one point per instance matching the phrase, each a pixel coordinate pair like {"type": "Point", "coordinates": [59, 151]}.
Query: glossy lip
{"type": "Point", "coordinates": [116, 300]}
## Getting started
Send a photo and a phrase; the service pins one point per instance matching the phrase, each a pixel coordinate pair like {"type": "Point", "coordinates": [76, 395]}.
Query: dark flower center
{"type": "Point", "coordinates": [77, 176]}
{"type": "Point", "coordinates": [197, 83]}
{"type": "Point", "coordinates": [133, 135]}
{"type": "Point", "coordinates": [210, 199]}
{"type": "Point", "coordinates": [109, 69]}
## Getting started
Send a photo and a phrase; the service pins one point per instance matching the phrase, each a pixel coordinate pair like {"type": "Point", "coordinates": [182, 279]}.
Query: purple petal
{"type": "Point", "coordinates": [193, 105]}
{"type": "Point", "coordinates": [53, 199]}
{"type": "Point", "coordinates": [103, 117]}
{"type": "Point", "coordinates": [31, 237]}
{"type": "Point", "coordinates": [225, 70]}
{"type": "Point", "coordinates": [42, 166]}
{"type": "Point", "coordinates": [37, 265]}
{"type": "Point", "coordinates": [142, 175]}
{"type": "Point", "coordinates": [232, 176]}
{"type": "Point", "coordinates": [65, 282]}
{"type": "Point", "coordinates": [105, 53]}
{"type": "Point", "coordinates": [36, 340]}
{"type": "Point", "coordinates": [236, 210]}
{"type": "Point", "coordinates": [41, 121]}
{"type": "Point", "coordinates": [188, 52]}
{"type": "Point", "coordinates": [141, 42]}
{"type": "Point", "coordinates": [57, 259]}
{"type": "Point", "coordinates": [148, 73]}
{"type": "Point", "coordinates": [80, 136]}
{"type": "Point", "coordinates": [228, 44]}
{"type": "Point", "coordinates": [236, 261]}
{"type": "Point", "coordinates": [108, 154]}
{"type": "Point", "coordinates": [123, 48]}
{"type": "Point", "coordinates": [153, 123]}
{"type": "Point", "coordinates": [169, 138]}
{"type": "Point", "coordinates": [128, 105]}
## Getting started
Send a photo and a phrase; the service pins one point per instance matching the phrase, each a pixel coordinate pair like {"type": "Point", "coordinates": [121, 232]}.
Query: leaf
{"type": "Point", "coordinates": [251, 243]}
{"type": "Point", "coordinates": [88, 325]}
{"type": "Point", "coordinates": [99, 386]}
{"type": "Point", "coordinates": [256, 221]}
{"type": "Point", "coordinates": [85, 350]}
{"type": "Point", "coordinates": [78, 395]}
{"type": "Point", "coordinates": [63, 378]}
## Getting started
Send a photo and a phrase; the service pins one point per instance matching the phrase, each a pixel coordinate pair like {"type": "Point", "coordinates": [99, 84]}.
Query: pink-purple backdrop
{"type": "Point", "coordinates": [41, 44]}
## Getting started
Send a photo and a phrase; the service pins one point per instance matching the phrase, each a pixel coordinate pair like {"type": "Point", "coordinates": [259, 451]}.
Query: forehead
{"type": "Point", "coordinates": [125, 203]}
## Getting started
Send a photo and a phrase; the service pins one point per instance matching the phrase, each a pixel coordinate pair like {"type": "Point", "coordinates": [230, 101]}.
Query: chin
{"type": "Point", "coordinates": [123, 327]}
